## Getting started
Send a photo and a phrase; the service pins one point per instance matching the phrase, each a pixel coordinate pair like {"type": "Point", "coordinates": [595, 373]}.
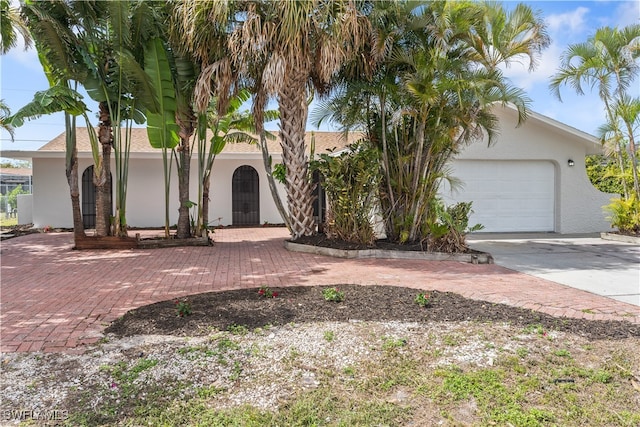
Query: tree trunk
{"type": "Point", "coordinates": [634, 160]}
{"type": "Point", "coordinates": [72, 179]}
{"type": "Point", "coordinates": [293, 107]}
{"type": "Point", "coordinates": [102, 177]}
{"type": "Point", "coordinates": [186, 122]}
{"type": "Point", "coordinates": [271, 180]}
{"type": "Point", "coordinates": [204, 203]}
{"type": "Point", "coordinates": [184, 167]}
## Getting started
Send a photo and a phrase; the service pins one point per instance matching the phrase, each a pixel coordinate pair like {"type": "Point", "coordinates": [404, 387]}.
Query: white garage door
{"type": "Point", "coordinates": [507, 196]}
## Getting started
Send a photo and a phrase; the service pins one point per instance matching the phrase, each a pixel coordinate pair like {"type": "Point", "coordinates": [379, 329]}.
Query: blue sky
{"type": "Point", "coordinates": [568, 22]}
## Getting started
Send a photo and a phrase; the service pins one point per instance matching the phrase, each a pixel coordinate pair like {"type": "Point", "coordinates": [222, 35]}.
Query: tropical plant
{"type": "Point", "coordinates": [608, 61]}
{"type": "Point", "coordinates": [447, 233]}
{"type": "Point", "coordinates": [162, 129]}
{"type": "Point", "coordinates": [278, 49]}
{"type": "Point", "coordinates": [604, 173]}
{"type": "Point", "coordinates": [433, 93]}
{"type": "Point", "coordinates": [620, 131]}
{"type": "Point", "coordinates": [60, 97]}
{"type": "Point", "coordinates": [625, 214]}
{"type": "Point", "coordinates": [12, 25]}
{"type": "Point", "coordinates": [99, 45]}
{"type": "Point", "coordinates": [350, 180]}
{"type": "Point", "coordinates": [5, 113]}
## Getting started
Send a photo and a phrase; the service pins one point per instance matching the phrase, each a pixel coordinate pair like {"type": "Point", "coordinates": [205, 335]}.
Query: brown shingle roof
{"type": "Point", "coordinates": [140, 142]}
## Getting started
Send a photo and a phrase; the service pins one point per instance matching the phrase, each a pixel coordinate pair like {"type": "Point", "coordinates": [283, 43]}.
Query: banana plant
{"type": "Point", "coordinates": [162, 129]}
{"type": "Point", "coordinates": [60, 97]}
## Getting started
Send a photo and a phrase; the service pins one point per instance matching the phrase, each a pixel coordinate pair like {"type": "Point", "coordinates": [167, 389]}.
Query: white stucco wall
{"type": "Point", "coordinates": [25, 208]}
{"type": "Point", "coordinates": [51, 201]}
{"type": "Point", "coordinates": [578, 204]}
{"type": "Point", "coordinates": [145, 203]}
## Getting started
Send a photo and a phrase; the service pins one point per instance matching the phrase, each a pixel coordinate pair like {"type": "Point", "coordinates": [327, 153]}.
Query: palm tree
{"type": "Point", "coordinates": [12, 25]}
{"type": "Point", "coordinates": [280, 49]}
{"type": "Point", "coordinates": [626, 124]}
{"type": "Point", "coordinates": [60, 97]}
{"type": "Point", "coordinates": [99, 45]}
{"type": "Point", "coordinates": [606, 61]}
{"type": "Point", "coordinates": [432, 94]}
{"type": "Point", "coordinates": [5, 113]}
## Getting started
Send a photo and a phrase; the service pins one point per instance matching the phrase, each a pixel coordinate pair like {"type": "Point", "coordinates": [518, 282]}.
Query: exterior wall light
{"type": "Point", "coordinates": [570, 162]}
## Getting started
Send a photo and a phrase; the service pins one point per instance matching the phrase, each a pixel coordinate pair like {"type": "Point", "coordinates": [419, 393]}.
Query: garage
{"type": "Point", "coordinates": [507, 196]}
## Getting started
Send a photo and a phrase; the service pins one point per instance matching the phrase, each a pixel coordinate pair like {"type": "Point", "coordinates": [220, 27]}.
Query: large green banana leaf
{"type": "Point", "coordinates": [161, 128]}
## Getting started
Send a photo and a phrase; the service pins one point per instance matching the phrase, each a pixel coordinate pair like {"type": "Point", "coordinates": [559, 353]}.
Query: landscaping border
{"type": "Point", "coordinates": [620, 238]}
{"type": "Point", "coordinates": [473, 257]}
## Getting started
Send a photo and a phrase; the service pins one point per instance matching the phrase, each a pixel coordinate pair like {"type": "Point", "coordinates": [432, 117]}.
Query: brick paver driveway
{"type": "Point", "coordinates": [54, 298]}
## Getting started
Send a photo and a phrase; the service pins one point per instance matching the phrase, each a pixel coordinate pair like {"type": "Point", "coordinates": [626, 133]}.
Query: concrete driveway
{"type": "Point", "coordinates": [587, 262]}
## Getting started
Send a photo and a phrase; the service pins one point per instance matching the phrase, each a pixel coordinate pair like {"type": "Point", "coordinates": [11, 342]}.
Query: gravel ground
{"type": "Point", "coordinates": [263, 368]}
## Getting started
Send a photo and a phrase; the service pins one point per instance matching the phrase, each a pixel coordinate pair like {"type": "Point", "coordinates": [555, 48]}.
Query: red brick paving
{"type": "Point", "coordinates": [56, 299]}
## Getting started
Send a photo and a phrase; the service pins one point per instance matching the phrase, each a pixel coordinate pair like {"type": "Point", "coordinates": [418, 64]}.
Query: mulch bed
{"type": "Point", "coordinates": [221, 310]}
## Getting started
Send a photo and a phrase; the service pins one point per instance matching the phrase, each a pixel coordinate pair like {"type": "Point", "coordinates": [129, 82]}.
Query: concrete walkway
{"type": "Point", "coordinates": [57, 299]}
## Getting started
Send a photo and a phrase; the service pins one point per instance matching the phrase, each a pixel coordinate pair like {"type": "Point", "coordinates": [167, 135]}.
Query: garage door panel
{"type": "Point", "coordinates": [507, 196]}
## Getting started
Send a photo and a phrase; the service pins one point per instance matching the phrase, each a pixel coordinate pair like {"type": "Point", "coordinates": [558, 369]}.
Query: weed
{"type": "Point", "coordinates": [389, 343]}
{"type": "Point", "coordinates": [562, 353]}
{"type": "Point", "coordinates": [183, 307]}
{"type": "Point", "coordinates": [349, 371]}
{"type": "Point", "coordinates": [329, 336]}
{"type": "Point", "coordinates": [236, 371]}
{"type": "Point", "coordinates": [452, 340]}
{"type": "Point", "coordinates": [266, 292]}
{"type": "Point", "coordinates": [423, 299]}
{"type": "Point", "coordinates": [333, 294]}
{"type": "Point", "coordinates": [238, 329]}
{"type": "Point", "coordinates": [209, 391]}
{"type": "Point", "coordinates": [535, 329]}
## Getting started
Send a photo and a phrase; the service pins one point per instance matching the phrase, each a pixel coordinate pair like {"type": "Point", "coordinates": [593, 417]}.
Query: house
{"type": "Point", "coordinates": [10, 178]}
{"type": "Point", "coordinates": [532, 180]}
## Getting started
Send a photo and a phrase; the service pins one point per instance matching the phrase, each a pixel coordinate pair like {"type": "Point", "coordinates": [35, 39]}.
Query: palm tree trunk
{"type": "Point", "coordinates": [293, 119]}
{"type": "Point", "coordinates": [72, 179]}
{"type": "Point", "coordinates": [634, 160]}
{"type": "Point", "coordinates": [71, 170]}
{"type": "Point", "coordinates": [102, 178]}
{"type": "Point", "coordinates": [204, 203]}
{"type": "Point", "coordinates": [184, 163]}
{"type": "Point", "coordinates": [266, 160]}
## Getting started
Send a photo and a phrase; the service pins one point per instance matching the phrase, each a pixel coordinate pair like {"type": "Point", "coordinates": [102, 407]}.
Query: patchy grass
{"type": "Point", "coordinates": [459, 374]}
{"type": "Point", "coordinates": [8, 222]}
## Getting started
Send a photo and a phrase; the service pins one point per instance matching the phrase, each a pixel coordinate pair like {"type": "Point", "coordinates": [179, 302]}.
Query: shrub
{"type": "Point", "coordinates": [333, 294]}
{"type": "Point", "coordinates": [625, 214]}
{"type": "Point", "coordinates": [350, 182]}
{"type": "Point", "coordinates": [448, 232]}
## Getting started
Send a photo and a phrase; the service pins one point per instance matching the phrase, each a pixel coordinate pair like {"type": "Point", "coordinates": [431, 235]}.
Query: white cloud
{"type": "Point", "coordinates": [627, 13]}
{"type": "Point", "coordinates": [571, 22]}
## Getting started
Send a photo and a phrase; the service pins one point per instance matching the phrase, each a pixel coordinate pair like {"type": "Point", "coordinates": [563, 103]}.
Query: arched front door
{"type": "Point", "coordinates": [245, 196]}
{"type": "Point", "coordinates": [88, 199]}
